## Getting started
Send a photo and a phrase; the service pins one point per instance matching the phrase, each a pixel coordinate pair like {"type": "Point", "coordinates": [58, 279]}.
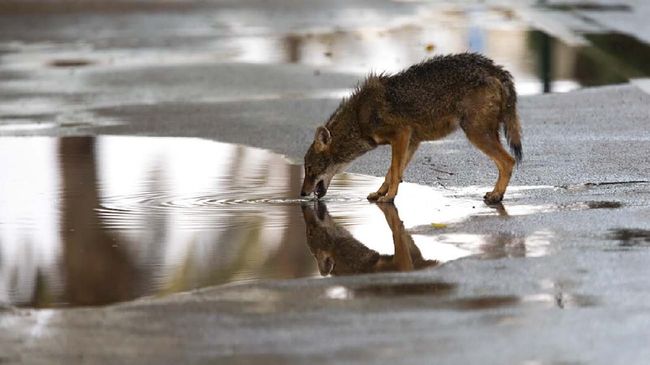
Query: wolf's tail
{"type": "Point", "coordinates": [509, 117]}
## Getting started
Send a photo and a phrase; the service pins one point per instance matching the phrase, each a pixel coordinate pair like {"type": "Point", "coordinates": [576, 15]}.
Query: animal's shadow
{"type": "Point", "coordinates": [337, 252]}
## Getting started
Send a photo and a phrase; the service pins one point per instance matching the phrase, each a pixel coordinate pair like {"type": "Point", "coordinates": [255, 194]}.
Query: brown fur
{"type": "Point", "coordinates": [338, 253]}
{"type": "Point", "coordinates": [426, 102]}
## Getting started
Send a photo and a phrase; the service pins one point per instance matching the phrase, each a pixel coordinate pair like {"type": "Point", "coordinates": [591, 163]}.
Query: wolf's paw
{"type": "Point", "coordinates": [374, 196]}
{"type": "Point", "coordinates": [492, 197]}
{"type": "Point", "coordinates": [386, 199]}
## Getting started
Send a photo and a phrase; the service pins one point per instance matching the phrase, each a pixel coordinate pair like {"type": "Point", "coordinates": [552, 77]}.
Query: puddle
{"type": "Point", "coordinates": [437, 291]}
{"type": "Point", "coordinates": [70, 63]}
{"type": "Point", "coordinates": [631, 237]}
{"type": "Point", "coordinates": [97, 220]}
{"type": "Point", "coordinates": [603, 184]}
{"type": "Point", "coordinates": [391, 290]}
{"type": "Point", "coordinates": [538, 61]}
{"type": "Point", "coordinates": [604, 204]}
{"type": "Point", "coordinates": [441, 296]}
{"type": "Point", "coordinates": [562, 300]}
{"type": "Point", "coordinates": [501, 244]}
{"type": "Point", "coordinates": [587, 6]}
{"type": "Point", "coordinates": [591, 205]}
{"type": "Point", "coordinates": [91, 221]}
{"type": "Point", "coordinates": [482, 303]}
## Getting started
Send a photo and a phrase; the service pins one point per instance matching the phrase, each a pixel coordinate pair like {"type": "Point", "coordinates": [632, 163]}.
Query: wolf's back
{"type": "Point", "coordinates": [437, 84]}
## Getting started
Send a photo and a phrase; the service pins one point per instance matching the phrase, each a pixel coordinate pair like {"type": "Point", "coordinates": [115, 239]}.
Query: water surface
{"type": "Point", "coordinates": [98, 220]}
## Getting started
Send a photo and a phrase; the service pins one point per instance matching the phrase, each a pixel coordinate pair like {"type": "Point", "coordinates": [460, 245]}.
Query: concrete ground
{"type": "Point", "coordinates": [565, 285]}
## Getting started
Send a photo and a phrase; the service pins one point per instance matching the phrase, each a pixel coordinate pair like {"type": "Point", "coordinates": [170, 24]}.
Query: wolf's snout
{"type": "Point", "coordinates": [321, 190]}
{"type": "Point", "coordinates": [307, 187]}
{"type": "Point", "coordinates": [310, 186]}
{"type": "Point", "coordinates": [326, 265]}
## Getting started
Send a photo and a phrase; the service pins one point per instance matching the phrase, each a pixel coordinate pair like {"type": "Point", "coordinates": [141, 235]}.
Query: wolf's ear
{"type": "Point", "coordinates": [322, 138]}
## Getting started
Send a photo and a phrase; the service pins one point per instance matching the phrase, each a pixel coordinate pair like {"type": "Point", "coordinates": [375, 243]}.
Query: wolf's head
{"type": "Point", "coordinates": [320, 164]}
{"type": "Point", "coordinates": [334, 248]}
{"type": "Point", "coordinates": [345, 136]}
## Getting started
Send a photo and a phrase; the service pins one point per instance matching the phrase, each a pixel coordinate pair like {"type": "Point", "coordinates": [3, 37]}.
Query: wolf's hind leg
{"type": "Point", "coordinates": [490, 144]}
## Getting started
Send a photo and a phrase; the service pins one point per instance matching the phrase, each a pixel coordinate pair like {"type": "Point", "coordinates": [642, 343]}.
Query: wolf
{"type": "Point", "coordinates": [425, 102]}
{"type": "Point", "coordinates": [338, 253]}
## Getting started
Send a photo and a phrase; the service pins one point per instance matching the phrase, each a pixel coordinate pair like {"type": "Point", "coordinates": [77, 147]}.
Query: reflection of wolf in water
{"type": "Point", "coordinates": [338, 253]}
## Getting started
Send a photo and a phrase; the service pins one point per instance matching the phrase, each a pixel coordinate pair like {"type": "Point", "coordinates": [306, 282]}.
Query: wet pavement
{"type": "Point", "coordinates": [60, 72]}
{"type": "Point", "coordinates": [557, 274]}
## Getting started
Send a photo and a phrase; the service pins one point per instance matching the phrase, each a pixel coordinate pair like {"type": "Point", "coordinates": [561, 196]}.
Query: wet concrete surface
{"type": "Point", "coordinates": [565, 282]}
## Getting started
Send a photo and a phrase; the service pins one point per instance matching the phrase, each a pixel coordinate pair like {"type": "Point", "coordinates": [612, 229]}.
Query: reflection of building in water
{"type": "Point", "coordinates": [96, 268]}
{"type": "Point", "coordinates": [368, 41]}
{"type": "Point", "coordinates": [120, 217]}
{"type": "Point", "coordinates": [393, 46]}
{"type": "Point", "coordinates": [29, 223]}
{"type": "Point", "coordinates": [205, 224]}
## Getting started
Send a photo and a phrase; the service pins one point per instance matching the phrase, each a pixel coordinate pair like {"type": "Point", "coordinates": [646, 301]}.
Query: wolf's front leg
{"type": "Point", "coordinates": [383, 189]}
{"type": "Point", "coordinates": [403, 241]}
{"type": "Point", "coordinates": [400, 157]}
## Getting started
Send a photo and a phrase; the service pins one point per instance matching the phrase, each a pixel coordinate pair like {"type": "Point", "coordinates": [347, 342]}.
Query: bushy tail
{"type": "Point", "coordinates": [509, 117]}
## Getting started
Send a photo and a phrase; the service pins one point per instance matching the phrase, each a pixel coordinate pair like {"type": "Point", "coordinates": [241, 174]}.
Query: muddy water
{"type": "Point", "coordinates": [91, 221]}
